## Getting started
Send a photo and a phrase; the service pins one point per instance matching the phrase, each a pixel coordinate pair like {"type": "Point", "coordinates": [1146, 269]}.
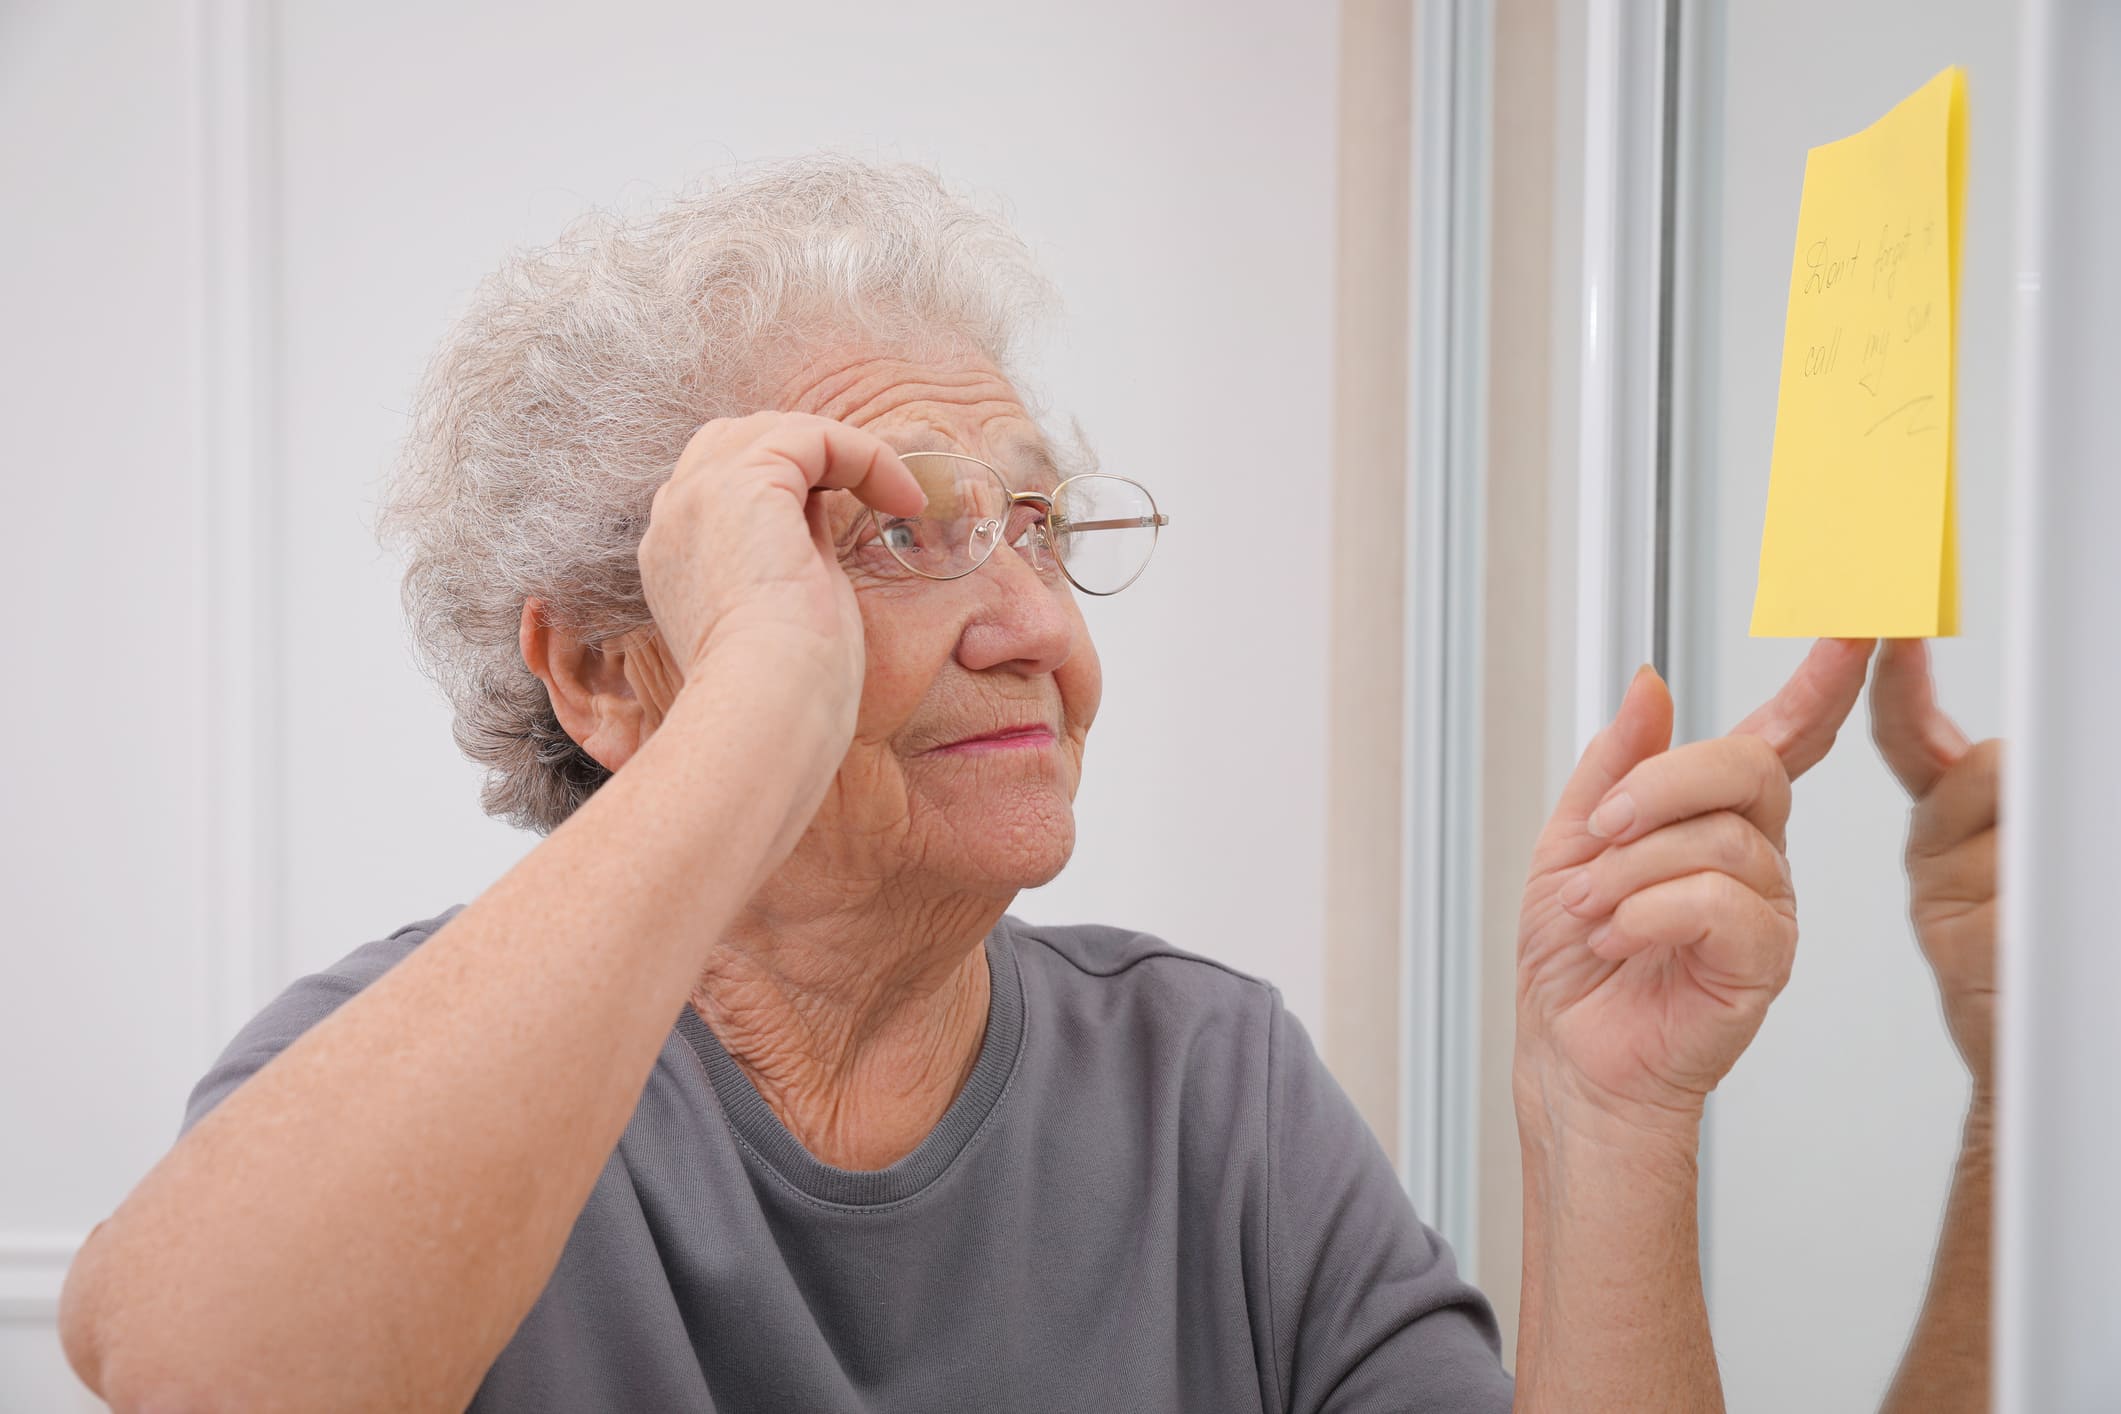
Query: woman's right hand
{"type": "Point", "coordinates": [738, 557]}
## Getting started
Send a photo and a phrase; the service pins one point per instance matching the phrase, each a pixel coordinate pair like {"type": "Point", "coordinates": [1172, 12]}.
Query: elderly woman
{"type": "Point", "coordinates": [754, 581]}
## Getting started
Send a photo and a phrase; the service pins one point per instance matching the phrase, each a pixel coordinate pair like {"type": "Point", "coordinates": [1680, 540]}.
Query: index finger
{"type": "Point", "coordinates": [1802, 719]}
{"type": "Point", "coordinates": [1919, 742]}
{"type": "Point", "coordinates": [834, 456]}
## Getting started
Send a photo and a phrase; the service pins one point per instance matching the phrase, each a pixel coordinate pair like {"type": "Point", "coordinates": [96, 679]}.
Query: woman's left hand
{"type": "Point", "coordinates": [1659, 920]}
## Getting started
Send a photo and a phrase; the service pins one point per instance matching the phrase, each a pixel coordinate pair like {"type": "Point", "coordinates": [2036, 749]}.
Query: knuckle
{"type": "Point", "coordinates": [704, 439]}
{"type": "Point", "coordinates": [1782, 960]}
{"type": "Point", "coordinates": [671, 500]}
{"type": "Point", "coordinates": [1721, 895]}
{"type": "Point", "coordinates": [1629, 913]}
{"type": "Point", "coordinates": [1772, 779]}
{"type": "Point", "coordinates": [1741, 897]}
{"type": "Point", "coordinates": [1719, 905]}
{"type": "Point", "coordinates": [719, 437]}
{"type": "Point", "coordinates": [1656, 915]}
{"type": "Point", "coordinates": [1732, 843]}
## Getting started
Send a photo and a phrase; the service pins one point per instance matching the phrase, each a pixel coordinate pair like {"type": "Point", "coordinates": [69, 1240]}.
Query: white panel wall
{"type": "Point", "coordinates": [219, 292]}
{"type": "Point", "coordinates": [103, 1015]}
{"type": "Point", "coordinates": [1831, 1143]}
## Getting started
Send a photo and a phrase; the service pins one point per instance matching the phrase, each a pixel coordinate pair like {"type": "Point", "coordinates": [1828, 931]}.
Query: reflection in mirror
{"type": "Point", "coordinates": [1952, 849]}
{"type": "Point", "coordinates": [1846, 1167]}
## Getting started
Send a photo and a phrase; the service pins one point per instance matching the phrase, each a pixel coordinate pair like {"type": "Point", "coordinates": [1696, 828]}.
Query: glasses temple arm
{"type": "Point", "coordinates": [1130, 523]}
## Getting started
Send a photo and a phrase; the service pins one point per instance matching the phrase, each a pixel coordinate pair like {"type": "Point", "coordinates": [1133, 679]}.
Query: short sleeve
{"type": "Point", "coordinates": [1370, 1313]}
{"type": "Point", "coordinates": [306, 1002]}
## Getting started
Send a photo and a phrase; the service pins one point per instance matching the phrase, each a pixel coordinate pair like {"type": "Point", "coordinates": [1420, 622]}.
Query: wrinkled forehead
{"type": "Point", "coordinates": [925, 398]}
{"type": "Point", "coordinates": [1012, 446]}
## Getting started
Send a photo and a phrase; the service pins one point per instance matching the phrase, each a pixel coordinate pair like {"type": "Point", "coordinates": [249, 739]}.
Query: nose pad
{"type": "Point", "coordinates": [981, 541]}
{"type": "Point", "coordinates": [1037, 549]}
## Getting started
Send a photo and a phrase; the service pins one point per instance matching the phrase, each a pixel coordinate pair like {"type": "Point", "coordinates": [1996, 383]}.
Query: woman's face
{"type": "Point", "coordinates": [922, 800]}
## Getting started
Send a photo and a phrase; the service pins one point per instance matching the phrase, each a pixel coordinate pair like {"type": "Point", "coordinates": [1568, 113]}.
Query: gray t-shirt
{"type": "Point", "coordinates": [1149, 1196]}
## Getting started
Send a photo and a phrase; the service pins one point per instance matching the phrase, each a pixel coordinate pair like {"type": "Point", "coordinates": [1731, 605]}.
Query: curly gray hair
{"type": "Point", "coordinates": [563, 396]}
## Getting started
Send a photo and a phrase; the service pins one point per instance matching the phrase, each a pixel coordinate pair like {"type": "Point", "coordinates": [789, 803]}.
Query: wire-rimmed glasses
{"type": "Point", "coordinates": [1100, 529]}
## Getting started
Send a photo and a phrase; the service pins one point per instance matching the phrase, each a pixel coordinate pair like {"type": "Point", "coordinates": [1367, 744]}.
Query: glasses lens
{"type": "Point", "coordinates": [1103, 529]}
{"type": "Point", "coordinates": [967, 515]}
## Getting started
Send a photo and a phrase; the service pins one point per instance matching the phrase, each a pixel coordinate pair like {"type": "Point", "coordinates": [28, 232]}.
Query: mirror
{"type": "Point", "coordinates": [1833, 1144]}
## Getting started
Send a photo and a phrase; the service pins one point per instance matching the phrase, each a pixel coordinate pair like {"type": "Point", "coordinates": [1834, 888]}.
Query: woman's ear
{"type": "Point", "coordinates": [609, 697]}
{"type": "Point", "coordinates": [654, 674]}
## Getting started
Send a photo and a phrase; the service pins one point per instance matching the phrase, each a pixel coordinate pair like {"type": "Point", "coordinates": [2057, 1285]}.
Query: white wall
{"type": "Point", "coordinates": [1830, 1145]}
{"type": "Point", "coordinates": [226, 770]}
{"type": "Point", "coordinates": [102, 1016]}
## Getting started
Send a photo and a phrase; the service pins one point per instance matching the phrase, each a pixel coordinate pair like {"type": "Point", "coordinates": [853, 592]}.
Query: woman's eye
{"type": "Point", "coordinates": [879, 549]}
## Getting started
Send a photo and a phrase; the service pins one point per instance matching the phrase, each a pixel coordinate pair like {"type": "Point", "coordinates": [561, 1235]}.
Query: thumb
{"type": "Point", "coordinates": [1639, 730]}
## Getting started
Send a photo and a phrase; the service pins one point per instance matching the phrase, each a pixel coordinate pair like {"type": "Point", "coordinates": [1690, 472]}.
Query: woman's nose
{"type": "Point", "coordinates": [1023, 616]}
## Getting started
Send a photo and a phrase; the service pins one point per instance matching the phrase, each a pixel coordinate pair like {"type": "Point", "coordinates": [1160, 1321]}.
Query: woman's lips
{"type": "Point", "coordinates": [1012, 739]}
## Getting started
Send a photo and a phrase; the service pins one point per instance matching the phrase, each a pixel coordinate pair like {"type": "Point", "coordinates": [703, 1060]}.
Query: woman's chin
{"type": "Point", "coordinates": [1015, 836]}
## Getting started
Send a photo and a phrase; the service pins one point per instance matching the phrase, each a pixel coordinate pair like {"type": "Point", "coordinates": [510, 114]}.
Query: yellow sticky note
{"type": "Point", "coordinates": [1861, 534]}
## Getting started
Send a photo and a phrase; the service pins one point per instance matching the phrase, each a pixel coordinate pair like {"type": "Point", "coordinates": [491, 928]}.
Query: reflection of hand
{"type": "Point", "coordinates": [1659, 920]}
{"type": "Point", "coordinates": [1951, 844]}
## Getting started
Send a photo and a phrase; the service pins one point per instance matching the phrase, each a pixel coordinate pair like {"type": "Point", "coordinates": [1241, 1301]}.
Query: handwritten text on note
{"type": "Point", "coordinates": [1861, 538]}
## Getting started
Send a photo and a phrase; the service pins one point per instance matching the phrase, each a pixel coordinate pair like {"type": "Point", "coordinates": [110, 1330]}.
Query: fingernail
{"type": "Point", "coordinates": [1612, 817]}
{"type": "Point", "coordinates": [1576, 890]}
{"type": "Point", "coordinates": [1599, 936]}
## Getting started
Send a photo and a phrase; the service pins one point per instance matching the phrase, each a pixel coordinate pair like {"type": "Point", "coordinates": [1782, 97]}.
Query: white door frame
{"type": "Point", "coordinates": [1621, 387]}
{"type": "Point", "coordinates": [1613, 565]}
{"type": "Point", "coordinates": [1439, 1024]}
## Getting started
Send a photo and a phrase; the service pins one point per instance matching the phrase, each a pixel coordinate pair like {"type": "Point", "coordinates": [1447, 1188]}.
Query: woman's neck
{"type": "Point", "coordinates": [857, 1028]}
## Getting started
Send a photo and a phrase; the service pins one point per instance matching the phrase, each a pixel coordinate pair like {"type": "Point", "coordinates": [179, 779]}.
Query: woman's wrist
{"type": "Point", "coordinates": [786, 685]}
{"type": "Point", "coordinates": [1612, 1314]}
{"type": "Point", "coordinates": [755, 736]}
{"type": "Point", "coordinates": [1586, 1170]}
{"type": "Point", "coordinates": [776, 698]}
{"type": "Point", "coordinates": [1558, 1114]}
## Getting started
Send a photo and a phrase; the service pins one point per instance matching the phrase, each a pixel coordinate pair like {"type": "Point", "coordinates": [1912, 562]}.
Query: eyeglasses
{"type": "Point", "coordinates": [1100, 529]}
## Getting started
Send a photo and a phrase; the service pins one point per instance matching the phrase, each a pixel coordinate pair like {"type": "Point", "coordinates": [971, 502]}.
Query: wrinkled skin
{"type": "Point", "coordinates": [939, 661]}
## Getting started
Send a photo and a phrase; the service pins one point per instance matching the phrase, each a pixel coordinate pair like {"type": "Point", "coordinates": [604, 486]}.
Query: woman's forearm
{"type": "Point", "coordinates": [365, 1221]}
{"type": "Point", "coordinates": [1946, 1367]}
{"type": "Point", "coordinates": [1612, 1314]}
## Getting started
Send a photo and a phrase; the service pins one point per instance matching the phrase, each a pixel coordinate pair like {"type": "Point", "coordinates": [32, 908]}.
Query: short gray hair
{"type": "Point", "coordinates": [561, 399]}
